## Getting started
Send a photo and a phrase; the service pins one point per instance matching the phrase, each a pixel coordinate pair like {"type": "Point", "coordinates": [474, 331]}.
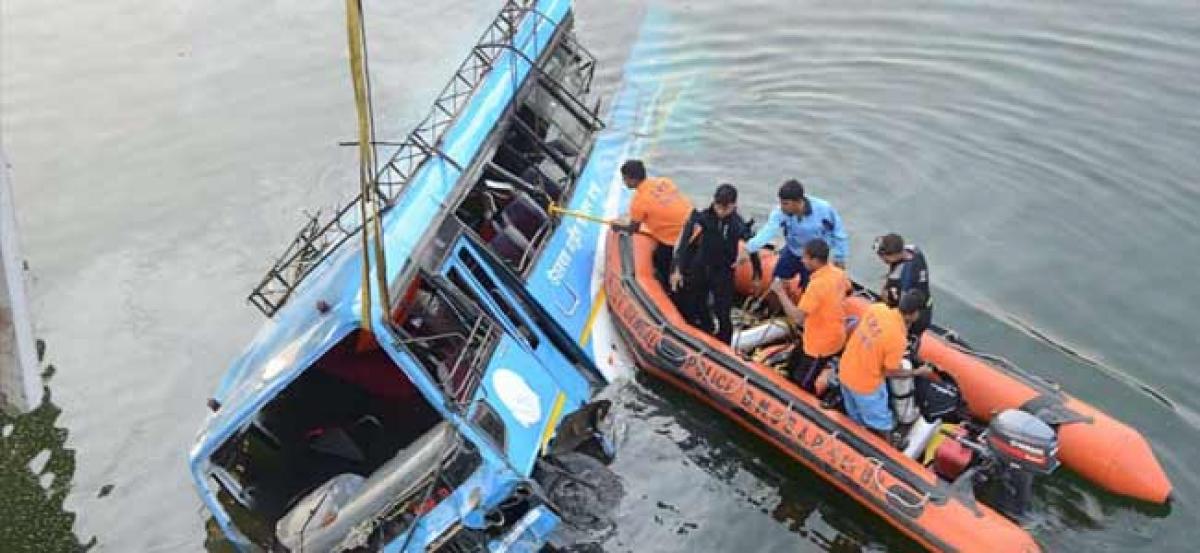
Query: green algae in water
{"type": "Point", "coordinates": [31, 513]}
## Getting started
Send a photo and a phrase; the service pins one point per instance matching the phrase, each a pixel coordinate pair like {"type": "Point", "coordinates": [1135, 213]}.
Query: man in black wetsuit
{"type": "Point", "coordinates": [704, 264]}
{"type": "Point", "coordinates": [907, 270]}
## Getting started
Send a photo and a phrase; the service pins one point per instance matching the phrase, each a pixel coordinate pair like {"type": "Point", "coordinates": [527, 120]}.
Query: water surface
{"type": "Point", "coordinates": [1043, 154]}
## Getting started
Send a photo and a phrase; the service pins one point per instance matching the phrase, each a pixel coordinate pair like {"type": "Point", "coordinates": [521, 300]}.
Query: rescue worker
{"type": "Point", "coordinates": [801, 218]}
{"type": "Point", "coordinates": [659, 209]}
{"type": "Point", "coordinates": [703, 263]}
{"type": "Point", "coordinates": [907, 270]}
{"type": "Point", "coordinates": [874, 351]}
{"type": "Point", "coordinates": [821, 311]}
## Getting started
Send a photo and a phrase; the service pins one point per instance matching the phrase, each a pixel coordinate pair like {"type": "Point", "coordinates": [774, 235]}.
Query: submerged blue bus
{"type": "Point", "coordinates": [460, 420]}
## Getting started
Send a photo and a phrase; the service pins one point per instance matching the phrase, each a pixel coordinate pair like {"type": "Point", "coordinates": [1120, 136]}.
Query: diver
{"type": "Point", "coordinates": [907, 271]}
{"type": "Point", "coordinates": [703, 263]}
{"type": "Point", "coordinates": [659, 209]}
{"type": "Point", "coordinates": [801, 218]}
{"type": "Point", "coordinates": [821, 311]}
{"type": "Point", "coordinates": [875, 350]}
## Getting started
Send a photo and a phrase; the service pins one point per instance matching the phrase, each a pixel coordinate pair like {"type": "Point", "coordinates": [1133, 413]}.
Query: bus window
{"type": "Point", "coordinates": [446, 333]}
{"type": "Point", "coordinates": [493, 291]}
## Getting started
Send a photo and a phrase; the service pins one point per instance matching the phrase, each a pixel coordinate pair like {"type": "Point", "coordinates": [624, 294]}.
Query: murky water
{"type": "Point", "coordinates": [1043, 154]}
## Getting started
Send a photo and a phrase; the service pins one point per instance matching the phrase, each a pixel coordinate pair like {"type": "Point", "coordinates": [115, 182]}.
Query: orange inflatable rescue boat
{"type": "Point", "coordinates": [948, 489]}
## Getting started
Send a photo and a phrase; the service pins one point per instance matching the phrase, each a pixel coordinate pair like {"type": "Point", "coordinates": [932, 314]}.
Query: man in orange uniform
{"type": "Point", "coordinates": [659, 209]}
{"type": "Point", "coordinates": [821, 312]}
{"type": "Point", "coordinates": [873, 352]}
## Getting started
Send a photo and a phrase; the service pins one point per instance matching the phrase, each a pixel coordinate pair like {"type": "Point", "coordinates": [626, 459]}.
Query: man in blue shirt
{"type": "Point", "coordinates": [801, 218]}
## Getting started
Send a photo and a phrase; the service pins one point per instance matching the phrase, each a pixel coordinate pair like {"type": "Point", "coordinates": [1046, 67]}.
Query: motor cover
{"type": "Point", "coordinates": [1023, 441]}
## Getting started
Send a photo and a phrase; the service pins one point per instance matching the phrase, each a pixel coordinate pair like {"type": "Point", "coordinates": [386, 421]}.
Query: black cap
{"type": "Point", "coordinates": [889, 244]}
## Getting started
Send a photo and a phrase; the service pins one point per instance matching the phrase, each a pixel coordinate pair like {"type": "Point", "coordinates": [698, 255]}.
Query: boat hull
{"type": "Point", "coordinates": [1098, 447]}
{"type": "Point", "coordinates": [852, 459]}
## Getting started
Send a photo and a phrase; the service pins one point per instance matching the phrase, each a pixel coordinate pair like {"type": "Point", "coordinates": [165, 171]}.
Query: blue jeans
{"type": "Point", "coordinates": [789, 265]}
{"type": "Point", "coordinates": [870, 410]}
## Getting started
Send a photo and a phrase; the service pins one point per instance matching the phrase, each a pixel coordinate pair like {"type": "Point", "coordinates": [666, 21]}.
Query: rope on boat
{"type": "Point", "coordinates": [877, 481]}
{"type": "Point", "coordinates": [951, 339]}
{"type": "Point", "coordinates": [1003, 363]}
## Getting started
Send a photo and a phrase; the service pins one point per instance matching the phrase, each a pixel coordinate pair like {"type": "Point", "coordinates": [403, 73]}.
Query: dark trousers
{"type": "Point", "coordinates": [804, 369]}
{"type": "Point", "coordinates": [662, 271]}
{"type": "Point", "coordinates": [788, 265]}
{"type": "Point", "coordinates": [708, 294]}
{"type": "Point", "coordinates": [662, 264]}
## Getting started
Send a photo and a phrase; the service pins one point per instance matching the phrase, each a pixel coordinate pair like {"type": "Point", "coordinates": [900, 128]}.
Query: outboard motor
{"type": "Point", "coordinates": [1021, 446]}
